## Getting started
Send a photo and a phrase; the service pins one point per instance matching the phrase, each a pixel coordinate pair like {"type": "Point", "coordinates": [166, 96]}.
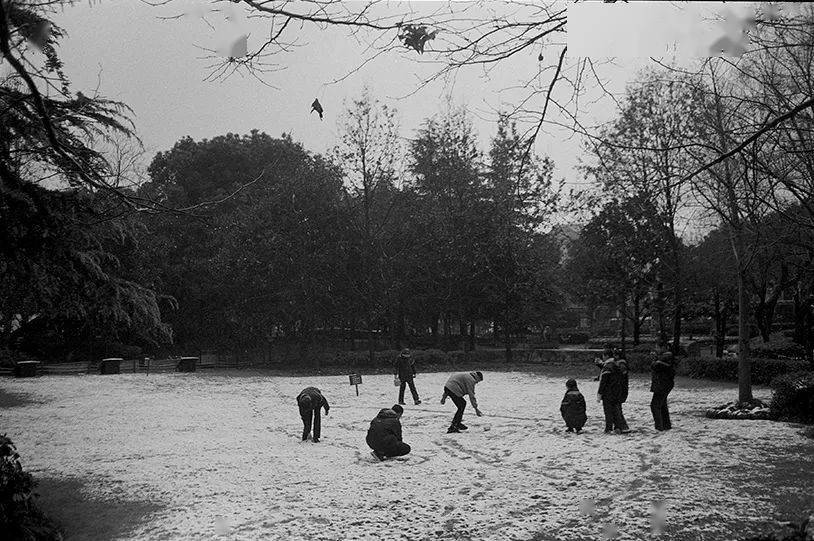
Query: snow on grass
{"type": "Point", "coordinates": [207, 454]}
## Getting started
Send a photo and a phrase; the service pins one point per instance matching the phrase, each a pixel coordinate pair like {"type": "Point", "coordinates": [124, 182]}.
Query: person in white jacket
{"type": "Point", "coordinates": [458, 386]}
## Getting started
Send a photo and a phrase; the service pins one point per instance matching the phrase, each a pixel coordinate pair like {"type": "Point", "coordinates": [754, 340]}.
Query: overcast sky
{"type": "Point", "coordinates": [125, 50]}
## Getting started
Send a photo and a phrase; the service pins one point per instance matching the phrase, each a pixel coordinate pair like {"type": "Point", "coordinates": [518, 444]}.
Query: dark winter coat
{"type": "Point", "coordinates": [662, 376]}
{"type": "Point", "coordinates": [317, 400]}
{"type": "Point", "coordinates": [611, 383]}
{"type": "Point", "coordinates": [624, 380]}
{"type": "Point", "coordinates": [404, 368]}
{"type": "Point", "coordinates": [384, 432]}
{"type": "Point", "coordinates": [573, 409]}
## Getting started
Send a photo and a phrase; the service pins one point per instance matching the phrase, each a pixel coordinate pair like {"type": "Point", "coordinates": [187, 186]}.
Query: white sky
{"type": "Point", "coordinates": [155, 67]}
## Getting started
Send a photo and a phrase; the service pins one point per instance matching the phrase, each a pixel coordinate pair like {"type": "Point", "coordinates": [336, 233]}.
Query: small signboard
{"type": "Point", "coordinates": [355, 379]}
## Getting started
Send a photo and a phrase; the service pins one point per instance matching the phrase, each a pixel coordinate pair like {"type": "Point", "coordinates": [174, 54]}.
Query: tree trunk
{"type": "Point", "coordinates": [507, 338]}
{"type": "Point", "coordinates": [659, 305]}
{"type": "Point", "coordinates": [720, 325]}
{"type": "Point", "coordinates": [434, 328]}
{"type": "Point", "coordinates": [744, 363]}
{"type": "Point", "coordinates": [622, 335]}
{"type": "Point", "coordinates": [472, 336]}
{"type": "Point", "coordinates": [676, 324]}
{"type": "Point", "coordinates": [371, 340]}
{"type": "Point", "coordinates": [799, 317]}
{"type": "Point", "coordinates": [637, 322]}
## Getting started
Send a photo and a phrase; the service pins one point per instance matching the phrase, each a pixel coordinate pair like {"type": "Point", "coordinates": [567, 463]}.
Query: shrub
{"type": "Point", "coordinates": [639, 361]}
{"type": "Point", "coordinates": [117, 349]}
{"type": "Point", "coordinates": [573, 338]}
{"type": "Point", "coordinates": [780, 346]}
{"type": "Point", "coordinates": [798, 532]}
{"type": "Point", "coordinates": [793, 396]}
{"type": "Point", "coordinates": [726, 369]}
{"type": "Point", "coordinates": [20, 518]}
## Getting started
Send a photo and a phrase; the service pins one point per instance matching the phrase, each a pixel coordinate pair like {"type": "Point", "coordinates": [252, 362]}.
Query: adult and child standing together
{"type": "Point", "coordinates": [384, 435]}
{"type": "Point", "coordinates": [613, 391]}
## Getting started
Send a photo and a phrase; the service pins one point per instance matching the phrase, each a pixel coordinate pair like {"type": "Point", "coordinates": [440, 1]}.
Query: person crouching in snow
{"type": "Point", "coordinates": [310, 402]}
{"type": "Point", "coordinates": [384, 434]}
{"type": "Point", "coordinates": [610, 394]}
{"type": "Point", "coordinates": [458, 386]}
{"type": "Point", "coordinates": [573, 407]}
{"type": "Point", "coordinates": [405, 370]}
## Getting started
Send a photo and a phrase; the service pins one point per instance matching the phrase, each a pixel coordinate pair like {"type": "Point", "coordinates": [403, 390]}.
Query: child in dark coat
{"type": "Point", "coordinates": [404, 368]}
{"type": "Point", "coordinates": [310, 402]}
{"type": "Point", "coordinates": [661, 383]}
{"type": "Point", "coordinates": [384, 434]}
{"type": "Point", "coordinates": [573, 407]}
{"type": "Point", "coordinates": [611, 392]}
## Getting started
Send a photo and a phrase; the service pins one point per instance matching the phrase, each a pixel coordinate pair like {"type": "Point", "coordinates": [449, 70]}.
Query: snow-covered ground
{"type": "Point", "coordinates": [205, 455]}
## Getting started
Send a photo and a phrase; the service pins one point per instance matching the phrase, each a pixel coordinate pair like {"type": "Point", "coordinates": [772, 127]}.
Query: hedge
{"type": "Point", "coordinates": [422, 357]}
{"type": "Point", "coordinates": [793, 397]}
{"type": "Point", "coordinates": [726, 368]}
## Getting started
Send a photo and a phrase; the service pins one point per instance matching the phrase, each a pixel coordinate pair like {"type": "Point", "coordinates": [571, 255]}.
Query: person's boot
{"type": "Point", "coordinates": [569, 429]}
{"type": "Point", "coordinates": [316, 440]}
{"type": "Point", "coordinates": [417, 402]}
{"type": "Point", "coordinates": [462, 426]}
{"type": "Point", "coordinates": [377, 455]}
{"type": "Point", "coordinates": [402, 403]}
{"type": "Point", "coordinates": [452, 429]}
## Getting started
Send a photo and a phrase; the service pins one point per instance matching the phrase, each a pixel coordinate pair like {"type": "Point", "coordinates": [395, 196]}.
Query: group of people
{"type": "Point", "coordinates": [384, 436]}
{"type": "Point", "coordinates": [613, 391]}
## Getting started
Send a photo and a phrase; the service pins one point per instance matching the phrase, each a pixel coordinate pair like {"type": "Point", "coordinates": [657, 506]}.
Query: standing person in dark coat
{"type": "Point", "coordinates": [610, 394]}
{"type": "Point", "coordinates": [384, 434]}
{"type": "Point", "coordinates": [310, 402]}
{"type": "Point", "coordinates": [573, 407]}
{"type": "Point", "coordinates": [624, 380]}
{"type": "Point", "coordinates": [404, 368]}
{"type": "Point", "coordinates": [662, 379]}
{"type": "Point", "coordinates": [458, 386]}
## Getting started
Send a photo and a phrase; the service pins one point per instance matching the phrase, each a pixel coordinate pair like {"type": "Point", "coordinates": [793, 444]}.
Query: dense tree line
{"type": "Point", "coordinates": [300, 244]}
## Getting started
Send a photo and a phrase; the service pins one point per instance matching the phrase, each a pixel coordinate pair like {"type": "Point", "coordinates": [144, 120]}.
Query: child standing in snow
{"type": "Point", "coordinates": [573, 407]}
{"type": "Point", "coordinates": [310, 402]}
{"type": "Point", "coordinates": [458, 386]}
{"type": "Point", "coordinates": [404, 369]}
{"type": "Point", "coordinates": [610, 394]}
{"type": "Point", "coordinates": [661, 383]}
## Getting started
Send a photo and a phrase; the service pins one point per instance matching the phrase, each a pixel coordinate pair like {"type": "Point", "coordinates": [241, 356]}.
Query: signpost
{"type": "Point", "coordinates": [355, 379]}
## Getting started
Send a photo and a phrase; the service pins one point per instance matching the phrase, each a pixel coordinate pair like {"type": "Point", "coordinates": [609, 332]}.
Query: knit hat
{"type": "Point", "coordinates": [479, 376]}
{"type": "Point", "coordinates": [571, 384]}
{"type": "Point", "coordinates": [405, 353]}
{"type": "Point", "coordinates": [398, 409]}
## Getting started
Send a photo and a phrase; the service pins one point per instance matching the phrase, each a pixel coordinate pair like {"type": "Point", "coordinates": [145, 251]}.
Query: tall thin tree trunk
{"type": "Point", "coordinates": [662, 328]}
{"type": "Point", "coordinates": [371, 340]}
{"type": "Point", "coordinates": [622, 328]}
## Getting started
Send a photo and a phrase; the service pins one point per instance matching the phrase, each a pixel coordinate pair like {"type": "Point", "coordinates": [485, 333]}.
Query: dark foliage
{"type": "Point", "coordinates": [793, 396]}
{"type": "Point", "coordinates": [20, 518]}
{"type": "Point", "coordinates": [726, 369]}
